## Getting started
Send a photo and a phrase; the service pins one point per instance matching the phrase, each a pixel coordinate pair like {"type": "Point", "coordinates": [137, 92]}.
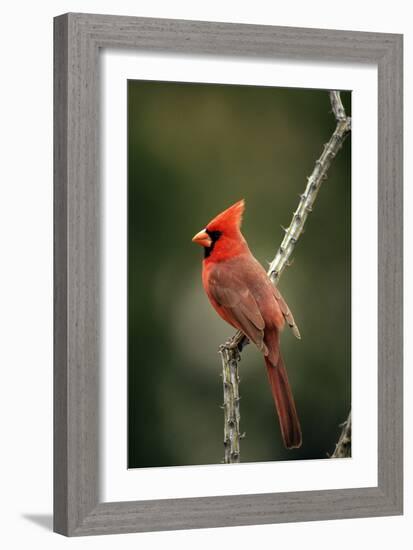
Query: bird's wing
{"type": "Point", "coordinates": [232, 294]}
{"type": "Point", "coordinates": [288, 316]}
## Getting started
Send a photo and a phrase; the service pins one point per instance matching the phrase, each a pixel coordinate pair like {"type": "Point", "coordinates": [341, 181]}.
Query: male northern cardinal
{"type": "Point", "coordinates": [243, 295]}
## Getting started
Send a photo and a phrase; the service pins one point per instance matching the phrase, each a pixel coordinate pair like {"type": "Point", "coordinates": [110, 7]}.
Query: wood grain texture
{"type": "Point", "coordinates": [78, 39]}
{"type": "Point", "coordinates": [60, 432]}
{"type": "Point", "coordinates": [390, 273]}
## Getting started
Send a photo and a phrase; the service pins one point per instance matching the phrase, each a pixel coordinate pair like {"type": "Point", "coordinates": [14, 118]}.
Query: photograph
{"type": "Point", "coordinates": [227, 274]}
{"type": "Point", "coordinates": [233, 241]}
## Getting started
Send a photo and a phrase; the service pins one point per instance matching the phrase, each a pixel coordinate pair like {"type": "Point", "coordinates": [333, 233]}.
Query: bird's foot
{"type": "Point", "coordinates": [232, 346]}
{"type": "Point", "coordinates": [232, 343]}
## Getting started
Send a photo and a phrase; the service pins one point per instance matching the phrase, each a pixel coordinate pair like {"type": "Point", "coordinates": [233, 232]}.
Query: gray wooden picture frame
{"type": "Point", "coordinates": [78, 39]}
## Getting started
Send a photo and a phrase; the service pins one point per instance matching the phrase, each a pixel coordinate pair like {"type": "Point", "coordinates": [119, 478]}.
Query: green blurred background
{"type": "Point", "coordinates": [193, 150]}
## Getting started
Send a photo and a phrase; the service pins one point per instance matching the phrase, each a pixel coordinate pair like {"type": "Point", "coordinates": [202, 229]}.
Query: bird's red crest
{"type": "Point", "coordinates": [230, 218]}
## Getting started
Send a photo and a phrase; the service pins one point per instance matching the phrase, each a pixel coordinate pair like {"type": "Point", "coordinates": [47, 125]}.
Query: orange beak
{"type": "Point", "coordinates": [202, 238]}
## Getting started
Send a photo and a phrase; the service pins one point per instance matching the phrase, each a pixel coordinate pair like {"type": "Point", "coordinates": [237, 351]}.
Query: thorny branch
{"type": "Point", "coordinates": [343, 447]}
{"type": "Point", "coordinates": [231, 351]}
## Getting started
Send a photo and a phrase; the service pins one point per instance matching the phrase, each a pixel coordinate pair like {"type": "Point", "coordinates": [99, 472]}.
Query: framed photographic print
{"type": "Point", "coordinates": [228, 274]}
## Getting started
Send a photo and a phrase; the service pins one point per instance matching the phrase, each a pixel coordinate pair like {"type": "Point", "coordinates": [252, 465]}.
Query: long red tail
{"type": "Point", "coordinates": [284, 402]}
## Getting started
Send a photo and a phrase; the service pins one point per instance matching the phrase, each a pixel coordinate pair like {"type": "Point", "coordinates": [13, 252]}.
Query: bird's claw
{"type": "Point", "coordinates": [232, 346]}
{"type": "Point", "coordinates": [232, 343]}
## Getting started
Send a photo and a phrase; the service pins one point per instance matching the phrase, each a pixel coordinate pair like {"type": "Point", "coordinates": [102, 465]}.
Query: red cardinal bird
{"type": "Point", "coordinates": [243, 295]}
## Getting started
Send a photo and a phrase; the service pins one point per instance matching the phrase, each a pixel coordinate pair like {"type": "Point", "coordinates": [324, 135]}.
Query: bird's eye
{"type": "Point", "coordinates": [215, 235]}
